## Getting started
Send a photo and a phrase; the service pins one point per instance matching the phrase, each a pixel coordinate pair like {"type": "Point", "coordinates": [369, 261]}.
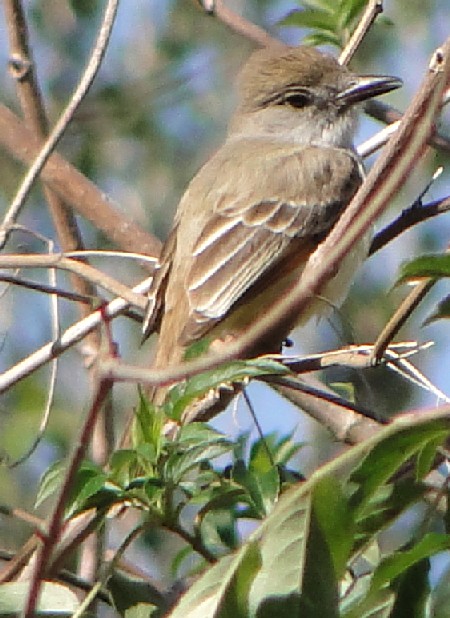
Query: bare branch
{"type": "Point", "coordinates": [388, 114]}
{"type": "Point", "coordinates": [69, 338]}
{"type": "Point", "coordinates": [56, 260]}
{"type": "Point", "coordinates": [64, 120]}
{"type": "Point", "coordinates": [56, 520]}
{"type": "Point", "coordinates": [75, 189]}
{"type": "Point", "coordinates": [400, 316]}
{"type": "Point", "coordinates": [237, 23]}
{"type": "Point", "coordinates": [373, 9]}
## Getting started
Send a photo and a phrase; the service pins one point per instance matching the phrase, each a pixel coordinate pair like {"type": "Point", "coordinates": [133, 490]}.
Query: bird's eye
{"type": "Point", "coordinates": [297, 100]}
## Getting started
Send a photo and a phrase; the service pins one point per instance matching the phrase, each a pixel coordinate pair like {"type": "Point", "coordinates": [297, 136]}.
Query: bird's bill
{"type": "Point", "coordinates": [367, 86]}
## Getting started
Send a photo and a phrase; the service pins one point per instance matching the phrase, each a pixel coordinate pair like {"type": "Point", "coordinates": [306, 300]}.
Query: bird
{"type": "Point", "coordinates": [253, 214]}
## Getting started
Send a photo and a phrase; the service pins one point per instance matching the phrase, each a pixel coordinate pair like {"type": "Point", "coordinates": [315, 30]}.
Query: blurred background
{"type": "Point", "coordinates": [157, 110]}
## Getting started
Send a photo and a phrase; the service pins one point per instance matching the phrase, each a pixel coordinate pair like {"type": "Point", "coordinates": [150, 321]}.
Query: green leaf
{"type": "Point", "coordinates": [179, 463]}
{"type": "Point", "coordinates": [312, 18]}
{"type": "Point", "coordinates": [335, 519]}
{"type": "Point", "coordinates": [223, 590]}
{"type": "Point", "coordinates": [349, 11]}
{"type": "Point", "coordinates": [320, 5]}
{"type": "Point", "coordinates": [123, 464]}
{"type": "Point", "coordinates": [386, 504]}
{"type": "Point", "coordinates": [50, 482]}
{"type": "Point", "coordinates": [195, 434]}
{"type": "Point", "coordinates": [150, 421]}
{"type": "Point", "coordinates": [140, 610]}
{"type": "Point", "coordinates": [223, 498]}
{"type": "Point", "coordinates": [180, 557]}
{"type": "Point", "coordinates": [127, 593]}
{"type": "Point", "coordinates": [386, 457]}
{"type": "Point", "coordinates": [88, 490]}
{"type": "Point", "coordinates": [281, 451]}
{"type": "Point", "coordinates": [442, 311]}
{"type": "Point", "coordinates": [440, 597]}
{"type": "Point", "coordinates": [219, 528]}
{"type": "Point", "coordinates": [322, 37]}
{"type": "Point", "coordinates": [395, 564]}
{"type": "Point", "coordinates": [55, 599]}
{"type": "Point", "coordinates": [283, 540]}
{"type": "Point", "coordinates": [434, 266]}
{"type": "Point", "coordinates": [228, 373]}
{"type": "Point", "coordinates": [379, 606]}
{"type": "Point", "coordinates": [262, 487]}
{"type": "Point", "coordinates": [413, 591]}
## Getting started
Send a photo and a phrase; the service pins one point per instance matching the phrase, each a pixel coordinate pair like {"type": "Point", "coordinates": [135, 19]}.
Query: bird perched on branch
{"type": "Point", "coordinates": [254, 213]}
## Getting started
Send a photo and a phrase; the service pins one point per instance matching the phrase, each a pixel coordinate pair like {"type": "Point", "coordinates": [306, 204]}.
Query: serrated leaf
{"type": "Point", "coordinates": [228, 373]}
{"type": "Point", "coordinates": [223, 590]}
{"type": "Point", "coordinates": [55, 599]}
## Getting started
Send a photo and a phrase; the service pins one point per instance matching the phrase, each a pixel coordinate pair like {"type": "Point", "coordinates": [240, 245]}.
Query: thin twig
{"type": "Point", "coordinates": [388, 114]}
{"type": "Point", "coordinates": [23, 69]}
{"type": "Point", "coordinates": [408, 218]}
{"type": "Point", "coordinates": [75, 189]}
{"type": "Point", "coordinates": [258, 426]}
{"type": "Point", "coordinates": [346, 426]}
{"type": "Point", "coordinates": [64, 120]}
{"type": "Point", "coordinates": [191, 539]}
{"type": "Point", "coordinates": [294, 383]}
{"type": "Point", "coordinates": [67, 577]}
{"type": "Point", "coordinates": [237, 23]}
{"type": "Point", "coordinates": [69, 338]}
{"type": "Point", "coordinates": [399, 318]}
{"type": "Point", "coordinates": [46, 289]}
{"type": "Point", "coordinates": [56, 520]}
{"type": "Point", "coordinates": [371, 12]}
{"type": "Point", "coordinates": [95, 276]}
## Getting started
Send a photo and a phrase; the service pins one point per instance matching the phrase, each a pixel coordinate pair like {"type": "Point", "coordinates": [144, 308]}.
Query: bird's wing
{"type": "Point", "coordinates": [157, 290]}
{"type": "Point", "coordinates": [243, 239]}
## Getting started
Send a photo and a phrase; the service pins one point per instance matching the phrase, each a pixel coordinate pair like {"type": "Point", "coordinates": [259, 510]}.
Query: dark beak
{"type": "Point", "coordinates": [367, 86]}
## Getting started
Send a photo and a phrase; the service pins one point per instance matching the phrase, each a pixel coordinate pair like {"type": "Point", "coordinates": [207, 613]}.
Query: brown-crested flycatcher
{"type": "Point", "coordinates": [259, 207]}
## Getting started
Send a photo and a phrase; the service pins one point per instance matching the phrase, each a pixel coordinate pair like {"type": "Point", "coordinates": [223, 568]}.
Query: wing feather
{"type": "Point", "coordinates": [240, 237]}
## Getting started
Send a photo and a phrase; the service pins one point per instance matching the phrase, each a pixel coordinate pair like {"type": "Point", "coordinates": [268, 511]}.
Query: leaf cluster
{"type": "Point", "coordinates": [329, 22]}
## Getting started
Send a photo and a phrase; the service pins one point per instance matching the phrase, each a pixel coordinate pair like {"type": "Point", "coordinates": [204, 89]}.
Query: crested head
{"type": "Point", "coordinates": [301, 95]}
{"type": "Point", "coordinates": [272, 71]}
